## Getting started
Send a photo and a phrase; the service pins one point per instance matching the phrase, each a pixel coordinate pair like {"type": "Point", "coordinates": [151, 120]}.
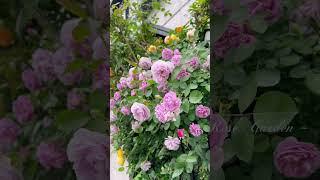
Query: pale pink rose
{"type": "Point", "coordinates": [145, 63]}
{"type": "Point", "coordinates": [30, 80]}
{"type": "Point", "coordinates": [51, 155]}
{"type": "Point", "coordinates": [125, 110]}
{"type": "Point", "coordinates": [194, 63]}
{"type": "Point", "coordinates": [206, 65]}
{"type": "Point", "coordinates": [171, 101]}
{"type": "Point", "coordinates": [123, 82]}
{"type": "Point", "coordinates": [145, 166]}
{"type": "Point", "coordinates": [176, 59]}
{"type": "Point", "coordinates": [143, 85]}
{"type": "Point", "coordinates": [167, 54]}
{"type": "Point", "coordinates": [183, 74]}
{"type": "Point", "coordinates": [195, 129]}
{"type": "Point", "coordinates": [172, 143]}
{"type": "Point", "coordinates": [42, 64]}
{"type": "Point", "coordinates": [176, 52]}
{"type": "Point", "coordinates": [140, 112]}
{"type": "Point", "coordinates": [117, 96]}
{"type": "Point", "coordinates": [112, 103]}
{"type": "Point", "coordinates": [163, 115]}
{"type": "Point", "coordinates": [161, 71]}
{"type": "Point", "coordinates": [135, 125]}
{"type": "Point", "coordinates": [113, 129]}
{"type": "Point", "coordinates": [133, 92]}
{"type": "Point", "coordinates": [202, 111]}
{"type": "Point", "coordinates": [113, 117]}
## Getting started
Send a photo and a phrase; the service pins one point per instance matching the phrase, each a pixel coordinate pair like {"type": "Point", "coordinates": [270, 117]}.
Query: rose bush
{"type": "Point", "coordinates": [266, 90]}
{"type": "Point", "coordinates": [52, 94]}
{"type": "Point", "coordinates": [165, 133]}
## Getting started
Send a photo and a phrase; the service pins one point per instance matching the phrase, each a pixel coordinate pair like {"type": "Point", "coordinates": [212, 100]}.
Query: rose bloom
{"type": "Point", "coordinates": [145, 63]}
{"type": "Point", "coordinates": [114, 129]}
{"type": "Point", "coordinates": [152, 49]}
{"type": "Point", "coordinates": [191, 34]}
{"type": "Point", "coordinates": [7, 170]}
{"type": "Point", "coordinates": [167, 40]}
{"type": "Point", "coordinates": [42, 64]}
{"type": "Point", "coordinates": [23, 109]}
{"type": "Point", "coordinates": [171, 101]}
{"type": "Point", "coordinates": [112, 103]}
{"type": "Point", "coordinates": [194, 63]}
{"type": "Point", "coordinates": [145, 166]}
{"type": "Point", "coordinates": [172, 143]}
{"type": "Point", "coordinates": [140, 112]}
{"type": "Point", "coordinates": [176, 52]}
{"type": "Point", "coordinates": [123, 82]}
{"type": "Point", "coordinates": [272, 8]}
{"type": "Point", "coordinates": [176, 59]}
{"type": "Point", "coordinates": [125, 110]}
{"type": "Point", "coordinates": [206, 65]}
{"type": "Point", "coordinates": [164, 115]}
{"type": "Point", "coordinates": [88, 151]}
{"type": "Point", "coordinates": [117, 96]}
{"type": "Point", "coordinates": [31, 80]}
{"type": "Point", "coordinates": [202, 111]}
{"type": "Point", "coordinates": [51, 155]}
{"type": "Point", "coordinates": [167, 54]}
{"type": "Point", "coordinates": [296, 159]}
{"type": "Point", "coordinates": [143, 85]}
{"type": "Point", "coordinates": [161, 71]}
{"type": "Point", "coordinates": [195, 129]}
{"type": "Point", "coordinates": [180, 133]}
{"type": "Point", "coordinates": [183, 74]}
{"type": "Point", "coordinates": [9, 131]}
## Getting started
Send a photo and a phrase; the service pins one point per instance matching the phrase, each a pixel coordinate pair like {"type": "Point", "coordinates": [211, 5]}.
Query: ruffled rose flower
{"type": "Point", "coordinates": [31, 80]}
{"type": "Point", "coordinates": [42, 64]}
{"type": "Point", "coordinates": [176, 59]}
{"type": "Point", "coordinates": [112, 103]}
{"type": "Point", "coordinates": [23, 109]}
{"type": "Point", "coordinates": [133, 92]}
{"type": "Point", "coordinates": [117, 96]}
{"type": "Point", "coordinates": [167, 54]}
{"type": "Point", "coordinates": [145, 166]}
{"type": "Point", "coordinates": [145, 63]}
{"type": "Point", "coordinates": [194, 63]}
{"type": "Point", "coordinates": [233, 37]}
{"type": "Point", "coordinates": [125, 110]}
{"type": "Point", "coordinates": [161, 71]}
{"type": "Point", "coordinates": [51, 155]}
{"type": "Point", "coordinates": [114, 129]}
{"type": "Point", "coordinates": [183, 74]}
{"type": "Point", "coordinates": [177, 52]}
{"type": "Point", "coordinates": [171, 101]}
{"type": "Point", "coordinates": [296, 159]}
{"type": "Point", "coordinates": [172, 143]}
{"type": "Point", "coordinates": [271, 8]}
{"type": "Point", "coordinates": [123, 82]}
{"type": "Point", "coordinates": [9, 131]}
{"type": "Point", "coordinates": [163, 115]}
{"type": "Point", "coordinates": [88, 151]}
{"type": "Point", "coordinates": [143, 85]}
{"type": "Point", "coordinates": [195, 129]}
{"type": "Point", "coordinates": [202, 111]}
{"type": "Point", "coordinates": [140, 112]}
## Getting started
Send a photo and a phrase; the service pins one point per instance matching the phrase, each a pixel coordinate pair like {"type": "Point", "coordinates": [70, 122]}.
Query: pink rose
{"type": "Point", "coordinates": [140, 112]}
{"type": "Point", "coordinates": [117, 96]}
{"type": "Point", "coordinates": [180, 133]}
{"type": "Point", "coordinates": [31, 80]}
{"type": "Point", "coordinates": [171, 101]}
{"type": "Point", "coordinates": [112, 103]}
{"type": "Point", "coordinates": [202, 111]}
{"type": "Point", "coordinates": [296, 159]}
{"type": "Point", "coordinates": [194, 63]}
{"type": "Point", "coordinates": [133, 92]}
{"type": "Point", "coordinates": [183, 74]}
{"type": "Point", "coordinates": [172, 143]}
{"type": "Point", "coordinates": [51, 155]}
{"type": "Point", "coordinates": [176, 52]}
{"type": "Point", "coordinates": [161, 71]}
{"type": "Point", "coordinates": [167, 54]}
{"type": "Point", "coordinates": [176, 59]}
{"type": "Point", "coordinates": [195, 129]}
{"type": "Point", "coordinates": [145, 63]}
{"type": "Point", "coordinates": [125, 110]}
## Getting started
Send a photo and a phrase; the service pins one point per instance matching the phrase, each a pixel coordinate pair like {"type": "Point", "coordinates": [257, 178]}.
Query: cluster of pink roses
{"type": "Point", "coordinates": [169, 109]}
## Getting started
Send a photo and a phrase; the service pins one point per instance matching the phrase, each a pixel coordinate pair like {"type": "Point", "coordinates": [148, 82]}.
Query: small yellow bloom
{"type": "Point", "coordinates": [120, 161]}
{"type": "Point", "coordinates": [174, 38]}
{"type": "Point", "coordinates": [120, 153]}
{"type": "Point", "coordinates": [179, 29]}
{"type": "Point", "coordinates": [167, 40]}
{"type": "Point", "coordinates": [152, 49]}
{"type": "Point", "coordinates": [158, 41]}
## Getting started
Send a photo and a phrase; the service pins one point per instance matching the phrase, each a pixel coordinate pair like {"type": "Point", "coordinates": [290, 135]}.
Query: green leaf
{"type": "Point", "coordinates": [98, 123]}
{"type": "Point", "coordinates": [193, 86]}
{"type": "Point", "coordinates": [185, 106]}
{"type": "Point", "coordinates": [313, 82]}
{"type": "Point", "coordinates": [237, 55]}
{"type": "Point", "coordinates": [177, 122]}
{"type": "Point", "coordinates": [261, 143]}
{"type": "Point", "coordinates": [76, 65]}
{"type": "Point", "coordinates": [243, 140]}
{"type": "Point", "coordinates": [290, 60]}
{"type": "Point", "coordinates": [274, 111]}
{"type": "Point", "coordinates": [300, 71]}
{"type": "Point", "coordinates": [266, 78]}
{"type": "Point", "coordinates": [229, 152]}
{"type": "Point", "coordinates": [206, 128]}
{"type": "Point", "coordinates": [81, 31]}
{"type": "Point", "coordinates": [247, 95]}
{"type": "Point", "coordinates": [166, 126]}
{"type": "Point", "coordinates": [98, 101]}
{"type": "Point", "coordinates": [177, 172]}
{"type": "Point", "coordinates": [235, 76]}
{"type": "Point", "coordinates": [195, 97]}
{"type": "Point", "coordinates": [258, 24]}
{"type": "Point", "coordinates": [70, 120]}
{"type": "Point", "coordinates": [191, 159]}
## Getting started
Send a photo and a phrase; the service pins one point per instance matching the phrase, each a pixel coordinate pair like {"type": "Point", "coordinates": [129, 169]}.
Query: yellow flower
{"type": "Point", "coordinates": [158, 41]}
{"type": "Point", "coordinates": [167, 40]}
{"type": "Point", "coordinates": [179, 29]}
{"type": "Point", "coordinates": [120, 153]}
{"type": "Point", "coordinates": [152, 49]}
{"type": "Point", "coordinates": [120, 161]}
{"type": "Point", "coordinates": [174, 38]}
